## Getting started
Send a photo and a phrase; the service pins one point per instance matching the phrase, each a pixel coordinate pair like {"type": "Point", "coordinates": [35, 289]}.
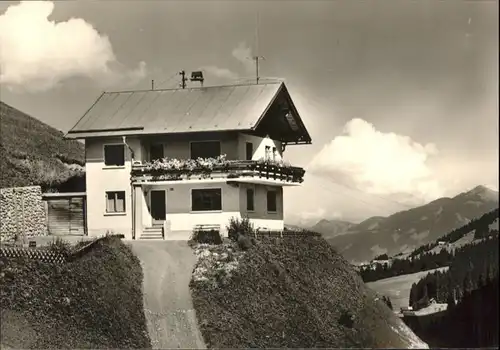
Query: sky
{"type": "Point", "coordinates": [400, 97]}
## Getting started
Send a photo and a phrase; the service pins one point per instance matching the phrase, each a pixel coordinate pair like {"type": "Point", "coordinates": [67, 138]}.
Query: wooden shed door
{"type": "Point", "coordinates": [65, 216]}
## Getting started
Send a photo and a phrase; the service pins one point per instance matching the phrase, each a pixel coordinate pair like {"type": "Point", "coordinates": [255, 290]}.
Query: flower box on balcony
{"type": "Point", "coordinates": [179, 169]}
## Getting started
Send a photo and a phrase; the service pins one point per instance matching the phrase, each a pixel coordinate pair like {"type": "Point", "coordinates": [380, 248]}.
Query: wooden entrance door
{"type": "Point", "coordinates": [158, 207]}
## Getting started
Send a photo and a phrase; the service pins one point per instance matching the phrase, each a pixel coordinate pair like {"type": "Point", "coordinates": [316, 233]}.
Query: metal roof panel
{"type": "Point", "coordinates": [217, 108]}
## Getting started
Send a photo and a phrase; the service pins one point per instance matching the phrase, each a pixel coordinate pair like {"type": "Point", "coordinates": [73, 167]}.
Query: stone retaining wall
{"type": "Point", "coordinates": [22, 213]}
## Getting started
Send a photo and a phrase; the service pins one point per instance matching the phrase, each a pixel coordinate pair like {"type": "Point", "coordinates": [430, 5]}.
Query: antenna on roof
{"type": "Point", "coordinates": [183, 79]}
{"type": "Point", "coordinates": [256, 58]}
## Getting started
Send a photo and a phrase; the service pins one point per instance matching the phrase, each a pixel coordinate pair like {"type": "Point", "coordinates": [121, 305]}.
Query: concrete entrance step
{"type": "Point", "coordinates": [152, 233]}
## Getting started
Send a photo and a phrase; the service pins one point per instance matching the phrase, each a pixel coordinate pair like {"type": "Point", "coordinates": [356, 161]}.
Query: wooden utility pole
{"type": "Point", "coordinates": [183, 79]}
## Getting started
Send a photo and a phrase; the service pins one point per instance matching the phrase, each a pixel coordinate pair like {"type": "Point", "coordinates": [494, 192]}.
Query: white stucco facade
{"type": "Point", "coordinates": [180, 218]}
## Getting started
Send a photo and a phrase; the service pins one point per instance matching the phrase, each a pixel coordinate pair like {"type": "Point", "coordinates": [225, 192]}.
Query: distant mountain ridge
{"type": "Point", "coordinates": [406, 230]}
{"type": "Point", "coordinates": [34, 153]}
{"type": "Point", "coordinates": [331, 228]}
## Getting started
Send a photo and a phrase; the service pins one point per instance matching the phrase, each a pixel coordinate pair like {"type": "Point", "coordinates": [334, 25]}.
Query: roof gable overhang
{"type": "Point", "coordinates": [281, 120]}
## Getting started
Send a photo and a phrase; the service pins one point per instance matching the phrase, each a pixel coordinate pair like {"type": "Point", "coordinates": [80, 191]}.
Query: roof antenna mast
{"type": "Point", "coordinates": [183, 79]}
{"type": "Point", "coordinates": [256, 58]}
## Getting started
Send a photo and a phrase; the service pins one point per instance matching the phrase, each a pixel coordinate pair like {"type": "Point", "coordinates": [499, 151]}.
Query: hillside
{"type": "Point", "coordinates": [291, 293]}
{"type": "Point", "coordinates": [34, 153]}
{"type": "Point", "coordinates": [406, 230]}
{"type": "Point", "coordinates": [331, 228]}
{"type": "Point", "coordinates": [470, 290]}
{"type": "Point", "coordinates": [439, 253]}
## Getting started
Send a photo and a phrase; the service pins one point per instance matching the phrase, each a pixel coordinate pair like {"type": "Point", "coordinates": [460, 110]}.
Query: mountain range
{"type": "Point", "coordinates": [406, 230]}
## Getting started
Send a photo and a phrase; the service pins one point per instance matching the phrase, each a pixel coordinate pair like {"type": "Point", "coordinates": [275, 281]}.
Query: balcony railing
{"type": "Point", "coordinates": [174, 169]}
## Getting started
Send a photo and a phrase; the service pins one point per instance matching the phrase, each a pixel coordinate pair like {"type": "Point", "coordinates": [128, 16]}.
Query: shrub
{"type": "Point", "coordinates": [388, 302]}
{"type": "Point", "coordinates": [346, 319]}
{"type": "Point", "coordinates": [60, 246]}
{"type": "Point", "coordinates": [93, 302]}
{"type": "Point", "coordinates": [238, 227]}
{"type": "Point", "coordinates": [205, 236]}
{"type": "Point", "coordinates": [245, 242]}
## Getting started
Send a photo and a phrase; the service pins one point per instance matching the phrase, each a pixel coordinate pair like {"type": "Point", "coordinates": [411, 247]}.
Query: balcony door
{"type": "Point", "coordinates": [156, 152]}
{"type": "Point", "coordinates": [158, 207]}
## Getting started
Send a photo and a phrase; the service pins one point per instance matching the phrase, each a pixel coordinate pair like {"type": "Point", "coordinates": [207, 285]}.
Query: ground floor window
{"type": "Point", "coordinates": [115, 202]}
{"type": "Point", "coordinates": [271, 201]}
{"type": "Point", "coordinates": [250, 199]}
{"type": "Point", "coordinates": [206, 199]}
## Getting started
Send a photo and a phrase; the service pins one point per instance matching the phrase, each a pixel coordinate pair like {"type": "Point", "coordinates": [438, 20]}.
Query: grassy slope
{"type": "Point", "coordinates": [398, 288]}
{"type": "Point", "coordinates": [93, 302]}
{"type": "Point", "coordinates": [32, 152]}
{"type": "Point", "coordinates": [294, 293]}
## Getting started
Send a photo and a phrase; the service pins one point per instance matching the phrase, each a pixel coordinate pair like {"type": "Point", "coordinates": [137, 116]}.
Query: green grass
{"type": "Point", "coordinates": [296, 293]}
{"type": "Point", "coordinates": [34, 153]}
{"type": "Point", "coordinates": [93, 302]}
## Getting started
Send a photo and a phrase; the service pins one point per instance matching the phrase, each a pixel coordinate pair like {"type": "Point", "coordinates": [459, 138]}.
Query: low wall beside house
{"type": "Point", "coordinates": [22, 213]}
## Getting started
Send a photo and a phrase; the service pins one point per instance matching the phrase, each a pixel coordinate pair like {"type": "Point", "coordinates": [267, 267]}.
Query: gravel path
{"type": "Point", "coordinates": [171, 320]}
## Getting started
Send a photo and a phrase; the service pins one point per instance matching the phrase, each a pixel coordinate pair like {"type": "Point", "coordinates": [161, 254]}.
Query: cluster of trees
{"type": "Point", "coordinates": [470, 288]}
{"type": "Point", "coordinates": [472, 265]}
{"type": "Point", "coordinates": [382, 257]}
{"type": "Point", "coordinates": [426, 261]}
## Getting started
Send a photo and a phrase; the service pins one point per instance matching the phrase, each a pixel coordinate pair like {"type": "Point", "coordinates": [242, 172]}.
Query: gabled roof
{"type": "Point", "coordinates": [209, 109]}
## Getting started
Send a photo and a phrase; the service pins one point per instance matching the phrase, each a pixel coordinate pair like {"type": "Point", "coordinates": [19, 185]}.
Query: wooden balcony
{"type": "Point", "coordinates": [238, 171]}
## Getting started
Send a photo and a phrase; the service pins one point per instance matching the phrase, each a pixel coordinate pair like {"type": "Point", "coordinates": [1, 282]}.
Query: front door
{"type": "Point", "coordinates": [158, 207]}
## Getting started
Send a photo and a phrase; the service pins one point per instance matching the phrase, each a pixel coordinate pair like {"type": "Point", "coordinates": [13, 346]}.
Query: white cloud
{"type": "Point", "coordinates": [243, 54]}
{"type": "Point", "coordinates": [385, 164]}
{"type": "Point", "coordinates": [37, 53]}
{"type": "Point", "coordinates": [218, 72]}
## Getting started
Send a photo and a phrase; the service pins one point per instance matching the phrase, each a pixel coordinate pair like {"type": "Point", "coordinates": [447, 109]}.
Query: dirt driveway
{"type": "Point", "coordinates": [167, 267]}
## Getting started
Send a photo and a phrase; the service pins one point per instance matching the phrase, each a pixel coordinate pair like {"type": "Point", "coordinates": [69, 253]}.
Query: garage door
{"type": "Point", "coordinates": [66, 216]}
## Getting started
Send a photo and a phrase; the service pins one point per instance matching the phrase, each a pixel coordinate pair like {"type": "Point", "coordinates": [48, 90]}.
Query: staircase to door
{"type": "Point", "coordinates": [158, 213]}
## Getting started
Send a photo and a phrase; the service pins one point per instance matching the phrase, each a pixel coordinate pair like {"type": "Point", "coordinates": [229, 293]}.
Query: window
{"type": "Point", "coordinates": [205, 149]}
{"type": "Point", "coordinates": [115, 202]}
{"type": "Point", "coordinates": [268, 152]}
{"type": "Point", "coordinates": [275, 155]}
{"type": "Point", "coordinates": [271, 201]}
{"type": "Point", "coordinates": [206, 199]}
{"type": "Point", "coordinates": [250, 199]}
{"type": "Point", "coordinates": [156, 152]}
{"type": "Point", "coordinates": [114, 155]}
{"type": "Point", "coordinates": [249, 151]}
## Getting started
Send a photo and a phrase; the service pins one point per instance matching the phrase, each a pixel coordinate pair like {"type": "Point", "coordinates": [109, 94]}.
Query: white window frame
{"type": "Point", "coordinates": [191, 142]}
{"type": "Point", "coordinates": [124, 155]}
{"type": "Point", "coordinates": [110, 213]}
{"type": "Point", "coordinates": [206, 211]}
